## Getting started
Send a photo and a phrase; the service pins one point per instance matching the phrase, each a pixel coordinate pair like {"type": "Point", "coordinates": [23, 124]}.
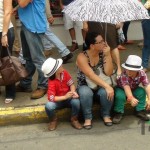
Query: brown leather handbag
{"type": "Point", "coordinates": [11, 70]}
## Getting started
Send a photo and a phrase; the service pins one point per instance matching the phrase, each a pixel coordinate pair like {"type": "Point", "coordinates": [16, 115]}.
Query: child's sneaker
{"type": "Point", "coordinates": [142, 115]}
{"type": "Point", "coordinates": [117, 118]}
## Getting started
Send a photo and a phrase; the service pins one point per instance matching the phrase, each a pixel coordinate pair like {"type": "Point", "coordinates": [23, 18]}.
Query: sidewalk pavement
{"type": "Point", "coordinates": [23, 110]}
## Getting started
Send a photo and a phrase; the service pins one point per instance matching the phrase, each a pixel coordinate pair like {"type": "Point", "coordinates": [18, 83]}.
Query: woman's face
{"type": "Point", "coordinates": [99, 43]}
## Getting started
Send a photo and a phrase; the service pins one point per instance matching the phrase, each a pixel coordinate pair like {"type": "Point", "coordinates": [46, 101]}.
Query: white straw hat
{"type": "Point", "coordinates": [133, 62]}
{"type": "Point", "coordinates": [50, 66]}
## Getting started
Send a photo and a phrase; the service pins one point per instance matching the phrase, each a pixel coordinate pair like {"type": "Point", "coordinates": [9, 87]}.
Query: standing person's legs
{"type": "Point", "coordinates": [146, 48]}
{"type": "Point", "coordinates": [106, 106]}
{"type": "Point", "coordinates": [125, 30]}
{"type": "Point", "coordinates": [116, 57]}
{"type": "Point", "coordinates": [69, 25]}
{"type": "Point", "coordinates": [10, 89]}
{"type": "Point", "coordinates": [62, 49]}
{"type": "Point", "coordinates": [50, 36]}
{"type": "Point", "coordinates": [86, 99]}
{"type": "Point", "coordinates": [47, 46]}
{"type": "Point", "coordinates": [34, 56]}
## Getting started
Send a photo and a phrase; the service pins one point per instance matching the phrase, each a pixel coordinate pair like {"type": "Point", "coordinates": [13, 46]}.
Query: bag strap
{"type": "Point", "coordinates": [8, 52]}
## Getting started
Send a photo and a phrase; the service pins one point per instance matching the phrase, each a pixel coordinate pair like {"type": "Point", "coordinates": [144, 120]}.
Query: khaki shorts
{"type": "Point", "coordinates": [68, 23]}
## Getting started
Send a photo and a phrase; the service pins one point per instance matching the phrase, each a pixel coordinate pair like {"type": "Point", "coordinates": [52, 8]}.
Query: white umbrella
{"type": "Point", "coordinates": [107, 11]}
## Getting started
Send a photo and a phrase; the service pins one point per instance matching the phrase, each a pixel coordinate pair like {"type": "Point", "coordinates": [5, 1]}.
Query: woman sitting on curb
{"type": "Point", "coordinates": [95, 60]}
{"type": "Point", "coordinates": [128, 88]}
{"type": "Point", "coordinates": [61, 92]}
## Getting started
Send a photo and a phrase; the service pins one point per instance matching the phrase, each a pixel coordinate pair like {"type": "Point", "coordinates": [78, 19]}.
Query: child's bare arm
{"type": "Point", "coordinates": [130, 96]}
{"type": "Point", "coordinates": [73, 89]}
{"type": "Point", "coordinates": [65, 97]}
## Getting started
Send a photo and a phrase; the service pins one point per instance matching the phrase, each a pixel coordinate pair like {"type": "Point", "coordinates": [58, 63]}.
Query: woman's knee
{"type": "Point", "coordinates": [85, 91]}
{"type": "Point", "coordinates": [102, 92]}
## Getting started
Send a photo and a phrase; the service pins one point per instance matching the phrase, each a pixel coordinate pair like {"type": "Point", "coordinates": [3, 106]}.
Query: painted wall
{"type": "Point", "coordinates": [134, 32]}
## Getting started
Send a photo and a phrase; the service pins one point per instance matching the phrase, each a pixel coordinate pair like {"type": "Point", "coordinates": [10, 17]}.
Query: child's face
{"type": "Point", "coordinates": [131, 73]}
{"type": "Point", "coordinates": [60, 70]}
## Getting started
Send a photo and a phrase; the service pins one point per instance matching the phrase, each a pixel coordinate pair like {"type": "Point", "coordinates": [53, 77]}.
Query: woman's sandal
{"type": "Point", "coordinates": [109, 123]}
{"type": "Point", "coordinates": [88, 127]}
{"type": "Point", "coordinates": [8, 100]}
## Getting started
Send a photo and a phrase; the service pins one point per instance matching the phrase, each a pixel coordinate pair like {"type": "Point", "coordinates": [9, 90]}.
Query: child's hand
{"type": "Point", "coordinates": [134, 102]}
{"type": "Point", "coordinates": [69, 95]}
{"type": "Point", "coordinates": [148, 105]}
{"type": "Point", "coordinates": [75, 95]}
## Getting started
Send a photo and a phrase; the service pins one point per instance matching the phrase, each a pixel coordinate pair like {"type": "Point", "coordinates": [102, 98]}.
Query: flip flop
{"type": "Point", "coordinates": [8, 100]}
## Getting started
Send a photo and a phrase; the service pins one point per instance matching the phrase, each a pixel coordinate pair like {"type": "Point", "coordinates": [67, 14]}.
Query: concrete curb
{"type": "Point", "coordinates": [36, 114]}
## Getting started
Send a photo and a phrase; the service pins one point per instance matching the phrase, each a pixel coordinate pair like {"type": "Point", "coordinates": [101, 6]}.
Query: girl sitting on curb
{"type": "Point", "coordinates": [61, 92]}
{"type": "Point", "coordinates": [128, 88]}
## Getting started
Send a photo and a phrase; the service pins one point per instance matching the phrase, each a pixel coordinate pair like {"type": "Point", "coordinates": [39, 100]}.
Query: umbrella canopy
{"type": "Point", "coordinates": [107, 11]}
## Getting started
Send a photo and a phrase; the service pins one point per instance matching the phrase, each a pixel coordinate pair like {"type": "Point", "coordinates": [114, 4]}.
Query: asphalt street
{"type": "Point", "coordinates": [125, 136]}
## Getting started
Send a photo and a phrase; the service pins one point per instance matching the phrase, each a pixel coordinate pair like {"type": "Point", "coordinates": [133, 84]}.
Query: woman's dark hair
{"type": "Point", "coordinates": [52, 77]}
{"type": "Point", "coordinates": [90, 38]}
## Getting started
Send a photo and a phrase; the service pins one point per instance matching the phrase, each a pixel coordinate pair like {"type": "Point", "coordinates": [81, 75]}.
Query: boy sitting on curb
{"type": "Point", "coordinates": [61, 92]}
{"type": "Point", "coordinates": [128, 88]}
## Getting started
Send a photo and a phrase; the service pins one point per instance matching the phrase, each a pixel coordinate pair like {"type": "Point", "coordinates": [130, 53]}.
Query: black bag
{"type": "Point", "coordinates": [11, 70]}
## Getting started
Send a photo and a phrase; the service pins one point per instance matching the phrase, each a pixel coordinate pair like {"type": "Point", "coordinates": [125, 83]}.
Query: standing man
{"type": "Point", "coordinates": [33, 19]}
{"type": "Point", "coordinates": [69, 25]}
{"type": "Point", "coordinates": [146, 46]}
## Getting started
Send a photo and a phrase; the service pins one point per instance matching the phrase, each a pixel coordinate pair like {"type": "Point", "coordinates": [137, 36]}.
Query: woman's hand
{"type": "Point", "coordinates": [110, 93]}
{"type": "Point", "coordinates": [106, 50]}
{"type": "Point", "coordinates": [4, 40]}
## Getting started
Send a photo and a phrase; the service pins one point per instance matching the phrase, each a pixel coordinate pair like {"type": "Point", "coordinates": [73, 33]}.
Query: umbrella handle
{"type": "Point", "coordinates": [105, 32]}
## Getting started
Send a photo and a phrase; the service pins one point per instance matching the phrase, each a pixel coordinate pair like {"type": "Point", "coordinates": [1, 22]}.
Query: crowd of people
{"type": "Point", "coordinates": [95, 65]}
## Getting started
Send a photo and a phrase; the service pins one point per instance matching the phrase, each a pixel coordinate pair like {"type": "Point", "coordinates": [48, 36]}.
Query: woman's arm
{"type": "Point", "coordinates": [7, 4]}
{"type": "Point", "coordinates": [108, 65]}
{"type": "Point", "coordinates": [24, 3]}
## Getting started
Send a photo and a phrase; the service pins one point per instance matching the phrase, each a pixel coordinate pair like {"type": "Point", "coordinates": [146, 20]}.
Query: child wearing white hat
{"type": "Point", "coordinates": [61, 92]}
{"type": "Point", "coordinates": [128, 89]}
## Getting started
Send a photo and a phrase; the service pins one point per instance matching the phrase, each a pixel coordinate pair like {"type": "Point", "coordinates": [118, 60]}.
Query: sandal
{"type": "Point", "coordinates": [88, 127]}
{"type": "Point", "coordinates": [8, 100]}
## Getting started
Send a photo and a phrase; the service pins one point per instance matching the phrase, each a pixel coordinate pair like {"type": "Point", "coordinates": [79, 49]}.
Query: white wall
{"type": "Point", "coordinates": [134, 32]}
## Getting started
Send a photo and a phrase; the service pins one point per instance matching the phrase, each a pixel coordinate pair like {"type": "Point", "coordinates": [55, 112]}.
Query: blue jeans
{"type": "Point", "coordinates": [10, 89]}
{"type": "Point", "coordinates": [86, 97]}
{"type": "Point", "coordinates": [50, 36]}
{"type": "Point", "coordinates": [46, 43]}
{"type": "Point", "coordinates": [33, 54]}
{"type": "Point", "coordinates": [146, 47]}
{"type": "Point", "coordinates": [50, 107]}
